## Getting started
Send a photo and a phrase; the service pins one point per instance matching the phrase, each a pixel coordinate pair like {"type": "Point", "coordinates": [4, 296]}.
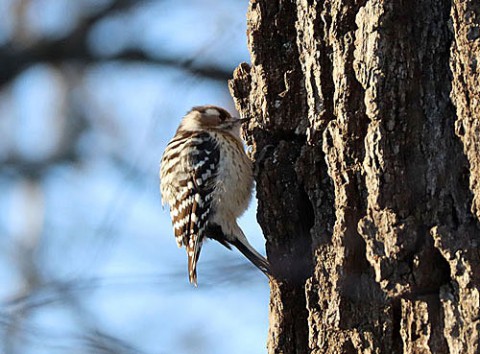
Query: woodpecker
{"type": "Point", "coordinates": [206, 178]}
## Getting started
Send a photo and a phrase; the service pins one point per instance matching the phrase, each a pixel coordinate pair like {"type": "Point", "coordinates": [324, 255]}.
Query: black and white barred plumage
{"type": "Point", "coordinates": [206, 178]}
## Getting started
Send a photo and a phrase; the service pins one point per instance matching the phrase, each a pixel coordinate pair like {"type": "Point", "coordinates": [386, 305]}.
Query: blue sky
{"type": "Point", "coordinates": [85, 245]}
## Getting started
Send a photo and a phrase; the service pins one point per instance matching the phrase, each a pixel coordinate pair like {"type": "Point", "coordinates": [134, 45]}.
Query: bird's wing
{"type": "Point", "coordinates": [198, 158]}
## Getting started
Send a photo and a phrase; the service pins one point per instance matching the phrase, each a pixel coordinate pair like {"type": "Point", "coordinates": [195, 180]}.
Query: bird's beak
{"type": "Point", "coordinates": [244, 120]}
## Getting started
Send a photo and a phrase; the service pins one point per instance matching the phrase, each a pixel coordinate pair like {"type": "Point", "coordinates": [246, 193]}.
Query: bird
{"type": "Point", "coordinates": [206, 178]}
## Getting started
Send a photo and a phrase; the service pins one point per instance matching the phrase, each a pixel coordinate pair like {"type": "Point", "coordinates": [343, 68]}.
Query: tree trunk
{"type": "Point", "coordinates": [367, 146]}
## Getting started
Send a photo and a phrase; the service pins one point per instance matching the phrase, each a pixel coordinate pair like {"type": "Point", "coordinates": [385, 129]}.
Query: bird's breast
{"type": "Point", "coordinates": [235, 177]}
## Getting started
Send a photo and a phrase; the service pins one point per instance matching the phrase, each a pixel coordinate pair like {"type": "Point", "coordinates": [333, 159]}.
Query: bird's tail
{"type": "Point", "coordinates": [240, 241]}
{"type": "Point", "coordinates": [253, 256]}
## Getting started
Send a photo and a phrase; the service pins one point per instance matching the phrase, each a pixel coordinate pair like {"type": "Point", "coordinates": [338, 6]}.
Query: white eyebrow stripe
{"type": "Point", "coordinates": [212, 112]}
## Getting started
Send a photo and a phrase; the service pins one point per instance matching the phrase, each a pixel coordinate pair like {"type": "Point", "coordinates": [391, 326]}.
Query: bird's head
{"type": "Point", "coordinates": [211, 118]}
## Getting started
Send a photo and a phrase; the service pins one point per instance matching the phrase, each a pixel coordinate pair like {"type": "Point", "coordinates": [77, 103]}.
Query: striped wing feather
{"type": "Point", "coordinates": [187, 186]}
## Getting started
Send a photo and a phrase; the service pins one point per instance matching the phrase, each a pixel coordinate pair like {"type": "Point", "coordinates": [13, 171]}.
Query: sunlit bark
{"type": "Point", "coordinates": [367, 141]}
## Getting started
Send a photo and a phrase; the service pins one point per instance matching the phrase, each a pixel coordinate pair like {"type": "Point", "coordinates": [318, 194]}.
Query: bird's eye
{"type": "Point", "coordinates": [222, 116]}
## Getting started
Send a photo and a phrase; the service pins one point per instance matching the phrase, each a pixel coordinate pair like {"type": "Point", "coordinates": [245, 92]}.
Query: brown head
{"type": "Point", "coordinates": [211, 118]}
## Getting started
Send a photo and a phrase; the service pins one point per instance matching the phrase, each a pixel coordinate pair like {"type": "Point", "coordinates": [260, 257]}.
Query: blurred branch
{"type": "Point", "coordinates": [13, 60]}
{"type": "Point", "coordinates": [207, 71]}
{"type": "Point", "coordinates": [235, 273]}
{"type": "Point", "coordinates": [99, 342]}
{"type": "Point", "coordinates": [35, 169]}
{"type": "Point", "coordinates": [75, 47]}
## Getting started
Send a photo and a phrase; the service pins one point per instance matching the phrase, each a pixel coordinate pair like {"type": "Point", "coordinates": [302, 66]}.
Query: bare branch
{"type": "Point", "coordinates": [75, 47]}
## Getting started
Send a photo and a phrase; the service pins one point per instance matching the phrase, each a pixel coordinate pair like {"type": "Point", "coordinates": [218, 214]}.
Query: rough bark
{"type": "Point", "coordinates": [367, 146]}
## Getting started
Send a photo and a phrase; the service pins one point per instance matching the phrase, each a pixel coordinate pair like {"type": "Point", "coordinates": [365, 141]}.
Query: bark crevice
{"type": "Point", "coordinates": [368, 153]}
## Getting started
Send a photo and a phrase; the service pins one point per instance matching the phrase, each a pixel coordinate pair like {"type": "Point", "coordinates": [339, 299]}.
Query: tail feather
{"type": "Point", "coordinates": [253, 256]}
{"type": "Point", "coordinates": [215, 232]}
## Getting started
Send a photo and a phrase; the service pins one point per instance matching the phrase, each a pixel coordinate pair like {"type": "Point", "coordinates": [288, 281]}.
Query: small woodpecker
{"type": "Point", "coordinates": [206, 178]}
